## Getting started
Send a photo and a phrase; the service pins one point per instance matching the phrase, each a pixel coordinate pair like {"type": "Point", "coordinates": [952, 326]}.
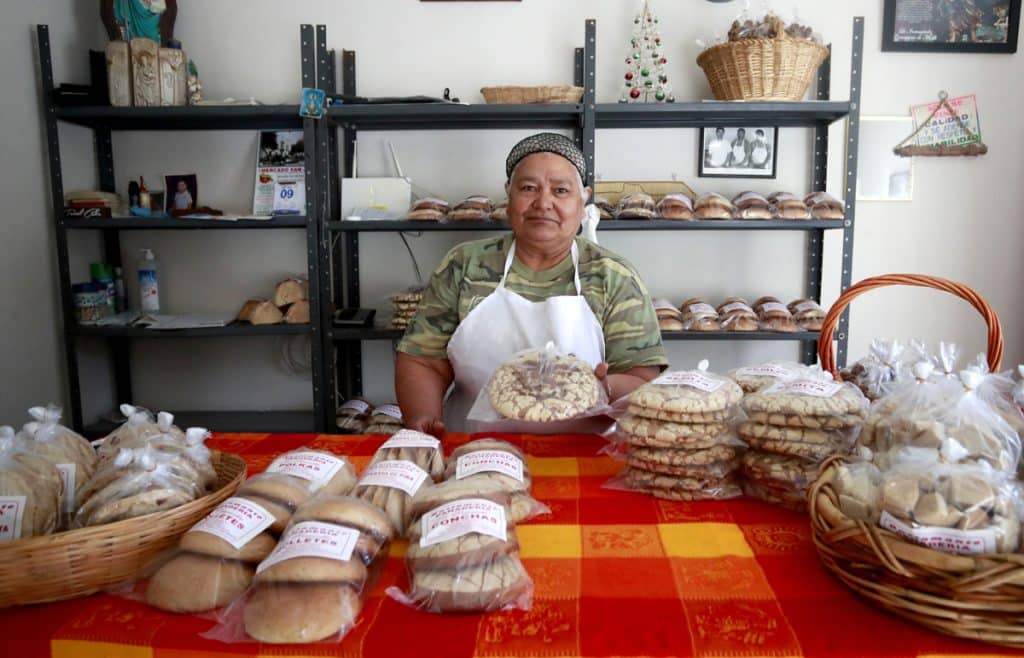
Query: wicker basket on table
{"type": "Point", "coordinates": [80, 562]}
{"type": "Point", "coordinates": [976, 597]}
{"type": "Point", "coordinates": [530, 95]}
{"type": "Point", "coordinates": [776, 69]}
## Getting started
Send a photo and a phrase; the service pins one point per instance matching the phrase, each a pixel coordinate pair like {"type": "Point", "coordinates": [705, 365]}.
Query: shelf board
{"type": "Point", "coordinates": [198, 117]}
{"type": "Point", "coordinates": [719, 113]}
{"type": "Point", "coordinates": [379, 333]}
{"type": "Point", "coordinates": [434, 116]}
{"type": "Point", "coordinates": [179, 223]}
{"type": "Point", "coordinates": [228, 421]}
{"type": "Point", "coordinates": [234, 329]}
{"type": "Point", "coordinates": [367, 226]}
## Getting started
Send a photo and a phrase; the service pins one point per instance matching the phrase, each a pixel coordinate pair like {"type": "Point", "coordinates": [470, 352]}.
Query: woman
{"type": "Point", "coordinates": [490, 299]}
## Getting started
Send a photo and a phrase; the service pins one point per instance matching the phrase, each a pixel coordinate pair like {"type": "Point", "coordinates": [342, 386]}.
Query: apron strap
{"type": "Point", "coordinates": [574, 251]}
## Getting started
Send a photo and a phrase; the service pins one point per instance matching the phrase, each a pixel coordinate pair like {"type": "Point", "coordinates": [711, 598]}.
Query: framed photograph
{"type": "Point", "coordinates": [881, 174]}
{"type": "Point", "coordinates": [939, 26]}
{"type": "Point", "coordinates": [738, 152]}
{"type": "Point", "coordinates": [181, 193]}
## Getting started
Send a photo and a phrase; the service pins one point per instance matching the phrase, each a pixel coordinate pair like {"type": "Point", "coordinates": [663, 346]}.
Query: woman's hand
{"type": "Point", "coordinates": [427, 425]}
{"type": "Point", "coordinates": [601, 372]}
{"type": "Point", "coordinates": [624, 383]}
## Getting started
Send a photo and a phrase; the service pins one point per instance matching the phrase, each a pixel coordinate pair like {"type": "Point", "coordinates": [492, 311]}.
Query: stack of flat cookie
{"type": "Point", "coordinates": [679, 442]}
{"type": "Point", "coordinates": [404, 306]}
{"type": "Point", "coordinates": [793, 426]}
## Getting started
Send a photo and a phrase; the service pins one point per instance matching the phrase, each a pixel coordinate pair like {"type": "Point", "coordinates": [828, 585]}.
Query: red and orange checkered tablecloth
{"type": "Point", "coordinates": [616, 574]}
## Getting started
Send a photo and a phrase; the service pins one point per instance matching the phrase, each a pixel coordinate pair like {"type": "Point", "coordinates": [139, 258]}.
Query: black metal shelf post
{"type": "Point", "coordinates": [102, 120]}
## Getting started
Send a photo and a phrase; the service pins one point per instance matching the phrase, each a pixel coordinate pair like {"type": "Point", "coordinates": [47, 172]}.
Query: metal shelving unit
{"type": "Point", "coordinates": [340, 267]}
{"type": "Point", "coordinates": [103, 121]}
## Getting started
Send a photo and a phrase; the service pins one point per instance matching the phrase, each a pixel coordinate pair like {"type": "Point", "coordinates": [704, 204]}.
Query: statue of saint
{"type": "Point", "coordinates": [139, 19]}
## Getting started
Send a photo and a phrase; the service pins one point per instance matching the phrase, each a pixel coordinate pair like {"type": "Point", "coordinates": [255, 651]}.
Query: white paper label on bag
{"type": "Point", "coordinates": [410, 439]}
{"type": "Point", "coordinates": [767, 370]}
{"type": "Point", "coordinates": [397, 474]}
{"type": "Point", "coordinates": [359, 406]}
{"type": "Point", "coordinates": [807, 306]}
{"type": "Point", "coordinates": [664, 304]}
{"type": "Point", "coordinates": [317, 467]}
{"type": "Point", "coordinates": [462, 517]}
{"type": "Point", "coordinates": [389, 410]}
{"type": "Point", "coordinates": [67, 486]}
{"type": "Point", "coordinates": [489, 461]}
{"type": "Point", "coordinates": [12, 508]}
{"type": "Point", "coordinates": [774, 306]}
{"type": "Point", "coordinates": [313, 539]}
{"type": "Point", "coordinates": [691, 379]}
{"type": "Point", "coordinates": [701, 308]}
{"type": "Point", "coordinates": [237, 521]}
{"type": "Point", "coordinates": [736, 306]}
{"type": "Point", "coordinates": [812, 387]}
{"type": "Point", "coordinates": [947, 540]}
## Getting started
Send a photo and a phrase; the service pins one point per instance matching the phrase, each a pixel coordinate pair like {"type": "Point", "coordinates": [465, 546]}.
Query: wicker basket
{"type": "Point", "coordinates": [778, 69]}
{"type": "Point", "coordinates": [526, 95]}
{"type": "Point", "coordinates": [80, 562]}
{"type": "Point", "coordinates": [975, 597]}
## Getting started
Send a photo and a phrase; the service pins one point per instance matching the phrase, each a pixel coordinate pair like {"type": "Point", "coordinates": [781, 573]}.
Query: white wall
{"type": "Point", "coordinates": [962, 223]}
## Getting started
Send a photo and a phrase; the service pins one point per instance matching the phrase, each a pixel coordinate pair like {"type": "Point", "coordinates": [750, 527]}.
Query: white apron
{"type": "Point", "coordinates": [505, 323]}
{"type": "Point", "coordinates": [759, 156]}
{"type": "Point", "coordinates": [739, 153]}
{"type": "Point", "coordinates": [718, 152]}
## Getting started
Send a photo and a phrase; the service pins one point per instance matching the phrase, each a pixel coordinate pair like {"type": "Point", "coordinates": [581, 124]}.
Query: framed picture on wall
{"type": "Point", "coordinates": [966, 26]}
{"type": "Point", "coordinates": [738, 152]}
{"type": "Point", "coordinates": [881, 174]}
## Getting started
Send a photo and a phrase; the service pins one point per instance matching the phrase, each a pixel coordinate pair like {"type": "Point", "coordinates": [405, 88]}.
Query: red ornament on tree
{"type": "Point", "coordinates": [634, 93]}
{"type": "Point", "coordinates": [629, 75]}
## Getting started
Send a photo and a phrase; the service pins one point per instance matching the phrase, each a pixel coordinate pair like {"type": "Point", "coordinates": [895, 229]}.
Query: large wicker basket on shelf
{"type": "Point", "coordinates": [529, 95]}
{"type": "Point", "coordinates": [80, 562]}
{"type": "Point", "coordinates": [776, 69]}
{"type": "Point", "coordinates": [976, 597]}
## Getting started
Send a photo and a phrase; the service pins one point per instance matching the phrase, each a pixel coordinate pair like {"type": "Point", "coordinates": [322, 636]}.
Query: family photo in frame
{"type": "Point", "coordinates": [747, 152]}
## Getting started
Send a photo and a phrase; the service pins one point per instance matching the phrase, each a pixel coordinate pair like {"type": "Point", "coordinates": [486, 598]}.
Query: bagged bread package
{"type": "Point", "coordinates": [774, 316]}
{"type": "Point", "coordinates": [807, 314]}
{"type": "Point", "coordinates": [474, 208]}
{"type": "Point", "coordinates": [698, 315]}
{"type": "Point", "coordinates": [636, 205]}
{"type": "Point", "coordinates": [30, 491]}
{"type": "Point", "coordinates": [71, 453]}
{"type": "Point", "coordinates": [824, 206]}
{"type": "Point", "coordinates": [463, 555]}
{"type": "Point", "coordinates": [427, 209]}
{"type": "Point", "coordinates": [485, 466]}
{"type": "Point", "coordinates": [788, 206]}
{"type": "Point", "coordinates": [736, 314]}
{"type": "Point", "coordinates": [713, 206]}
{"type": "Point", "coordinates": [384, 419]}
{"type": "Point", "coordinates": [400, 467]}
{"type": "Point", "coordinates": [353, 415]}
{"type": "Point", "coordinates": [139, 424]}
{"type": "Point", "coordinates": [751, 205]}
{"type": "Point", "coordinates": [675, 206]}
{"type": "Point", "coordinates": [312, 586]}
{"type": "Point", "coordinates": [669, 317]}
{"type": "Point", "coordinates": [541, 391]}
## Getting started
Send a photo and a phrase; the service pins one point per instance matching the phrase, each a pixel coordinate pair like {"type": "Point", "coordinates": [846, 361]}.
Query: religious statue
{"type": "Point", "coordinates": [139, 19]}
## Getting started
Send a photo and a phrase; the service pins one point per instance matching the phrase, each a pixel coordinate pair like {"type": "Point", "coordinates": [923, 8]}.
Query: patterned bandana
{"type": "Point", "coordinates": [547, 143]}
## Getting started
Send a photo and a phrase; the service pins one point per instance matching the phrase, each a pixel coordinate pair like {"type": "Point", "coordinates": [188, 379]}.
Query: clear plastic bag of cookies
{"type": "Point", "coordinates": [541, 391]}
{"type": "Point", "coordinates": [312, 586]}
{"type": "Point", "coordinates": [463, 554]}
{"type": "Point", "coordinates": [30, 491]}
{"type": "Point", "coordinates": [385, 419]}
{"type": "Point", "coordinates": [782, 480]}
{"type": "Point", "coordinates": [887, 364]}
{"type": "Point", "coordinates": [754, 378]}
{"type": "Point", "coordinates": [353, 416]}
{"type": "Point", "coordinates": [698, 315]}
{"type": "Point", "coordinates": [139, 424]}
{"type": "Point", "coordinates": [403, 464]}
{"type": "Point", "coordinates": [489, 465]}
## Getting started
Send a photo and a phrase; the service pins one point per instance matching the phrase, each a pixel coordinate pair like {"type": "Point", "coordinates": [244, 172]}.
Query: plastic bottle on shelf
{"type": "Point", "coordinates": [144, 198]}
{"type": "Point", "coordinates": [120, 304]}
{"type": "Point", "coordinates": [149, 289]}
{"type": "Point", "coordinates": [103, 275]}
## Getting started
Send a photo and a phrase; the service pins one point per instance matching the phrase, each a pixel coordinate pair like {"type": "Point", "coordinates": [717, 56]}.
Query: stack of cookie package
{"type": "Point", "coordinates": [404, 306]}
{"type": "Point", "coordinates": [678, 440]}
{"type": "Point", "coordinates": [796, 419]}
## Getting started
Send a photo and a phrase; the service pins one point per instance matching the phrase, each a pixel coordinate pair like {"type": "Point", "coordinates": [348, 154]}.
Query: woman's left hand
{"type": "Point", "coordinates": [601, 372]}
{"type": "Point", "coordinates": [624, 383]}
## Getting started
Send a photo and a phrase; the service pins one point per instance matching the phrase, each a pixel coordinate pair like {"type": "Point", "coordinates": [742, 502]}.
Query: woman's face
{"type": "Point", "coordinates": [545, 207]}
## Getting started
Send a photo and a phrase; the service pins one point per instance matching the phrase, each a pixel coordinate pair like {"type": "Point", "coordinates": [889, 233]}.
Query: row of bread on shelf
{"type": "Point", "coordinates": [736, 314]}
{"type": "Point", "coordinates": [289, 304]}
{"type": "Point", "coordinates": [640, 205]}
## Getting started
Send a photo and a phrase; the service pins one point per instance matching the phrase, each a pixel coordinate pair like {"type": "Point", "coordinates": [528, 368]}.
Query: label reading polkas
{"type": "Point", "coordinates": [388, 410]}
{"type": "Point", "coordinates": [462, 517]}
{"type": "Point", "coordinates": [317, 467]}
{"type": "Point", "coordinates": [67, 486]}
{"type": "Point", "coordinates": [948, 540]}
{"type": "Point", "coordinates": [313, 539]}
{"type": "Point", "coordinates": [489, 461]}
{"type": "Point", "coordinates": [397, 474]}
{"type": "Point", "coordinates": [237, 521]}
{"type": "Point", "coordinates": [410, 439]}
{"type": "Point", "coordinates": [811, 387]}
{"type": "Point", "coordinates": [12, 508]}
{"type": "Point", "coordinates": [691, 379]}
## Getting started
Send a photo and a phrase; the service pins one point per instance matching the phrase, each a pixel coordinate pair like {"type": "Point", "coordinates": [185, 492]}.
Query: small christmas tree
{"type": "Point", "coordinates": [645, 79]}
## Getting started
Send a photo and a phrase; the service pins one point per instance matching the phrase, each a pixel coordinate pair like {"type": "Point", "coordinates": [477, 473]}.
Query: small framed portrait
{"type": "Point", "coordinates": [181, 193]}
{"type": "Point", "coordinates": [951, 26]}
{"type": "Point", "coordinates": [738, 152]}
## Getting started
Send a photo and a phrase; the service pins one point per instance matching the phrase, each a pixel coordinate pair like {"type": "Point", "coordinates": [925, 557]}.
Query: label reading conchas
{"type": "Point", "coordinates": [359, 406]}
{"type": "Point", "coordinates": [774, 306]}
{"type": "Point", "coordinates": [67, 486]}
{"type": "Point", "coordinates": [12, 508]}
{"type": "Point", "coordinates": [736, 306]}
{"type": "Point", "coordinates": [313, 539]}
{"type": "Point", "coordinates": [806, 306]}
{"type": "Point", "coordinates": [462, 517]}
{"type": "Point", "coordinates": [391, 410]}
{"type": "Point", "coordinates": [691, 379]}
{"type": "Point", "coordinates": [410, 439]}
{"type": "Point", "coordinates": [237, 521]}
{"type": "Point", "coordinates": [948, 540]}
{"type": "Point", "coordinates": [701, 309]}
{"type": "Point", "coordinates": [812, 387]}
{"type": "Point", "coordinates": [767, 370]}
{"type": "Point", "coordinates": [489, 461]}
{"type": "Point", "coordinates": [317, 467]}
{"type": "Point", "coordinates": [397, 474]}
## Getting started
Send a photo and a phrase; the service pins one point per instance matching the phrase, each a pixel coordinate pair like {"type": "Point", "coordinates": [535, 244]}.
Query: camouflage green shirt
{"type": "Point", "coordinates": [611, 286]}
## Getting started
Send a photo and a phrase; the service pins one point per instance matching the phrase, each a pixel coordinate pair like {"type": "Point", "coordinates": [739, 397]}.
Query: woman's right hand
{"type": "Point", "coordinates": [428, 425]}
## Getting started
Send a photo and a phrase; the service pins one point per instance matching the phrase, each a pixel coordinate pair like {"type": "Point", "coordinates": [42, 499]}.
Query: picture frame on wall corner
{"type": "Point", "coordinates": [738, 152]}
{"type": "Point", "coordinates": [951, 26]}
